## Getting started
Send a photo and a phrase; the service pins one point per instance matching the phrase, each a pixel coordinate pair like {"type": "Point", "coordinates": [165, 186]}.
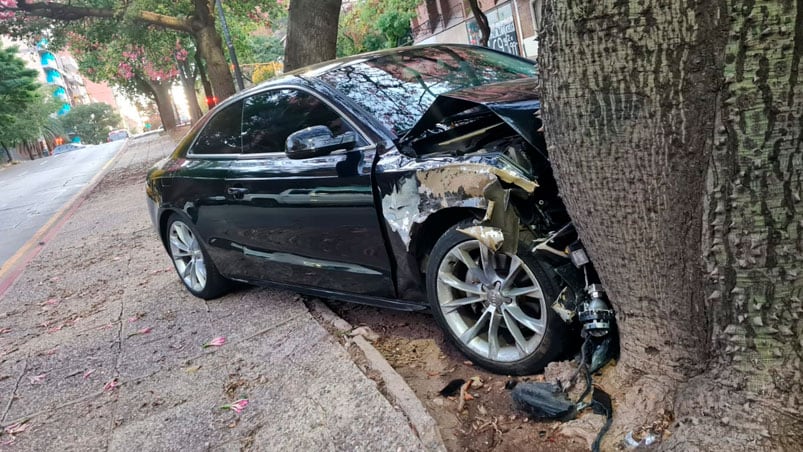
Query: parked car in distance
{"type": "Point", "coordinates": [411, 178]}
{"type": "Point", "coordinates": [67, 148]}
{"type": "Point", "coordinates": [119, 134]}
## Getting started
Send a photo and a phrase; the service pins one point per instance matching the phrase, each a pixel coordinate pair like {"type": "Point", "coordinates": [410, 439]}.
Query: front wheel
{"type": "Point", "coordinates": [192, 263]}
{"type": "Point", "coordinates": [494, 307]}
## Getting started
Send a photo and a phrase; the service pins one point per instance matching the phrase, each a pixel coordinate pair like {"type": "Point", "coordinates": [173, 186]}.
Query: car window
{"type": "Point", "coordinates": [270, 117]}
{"type": "Point", "coordinates": [222, 133]}
{"type": "Point", "coordinates": [398, 88]}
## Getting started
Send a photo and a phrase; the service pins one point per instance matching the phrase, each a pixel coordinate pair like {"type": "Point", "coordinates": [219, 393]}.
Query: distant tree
{"type": "Point", "coordinates": [375, 24]}
{"type": "Point", "coordinates": [264, 49]}
{"type": "Point", "coordinates": [18, 91]}
{"type": "Point", "coordinates": [91, 122]}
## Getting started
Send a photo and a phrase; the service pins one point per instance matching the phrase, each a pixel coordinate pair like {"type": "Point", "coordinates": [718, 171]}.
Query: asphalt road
{"type": "Point", "coordinates": [31, 192]}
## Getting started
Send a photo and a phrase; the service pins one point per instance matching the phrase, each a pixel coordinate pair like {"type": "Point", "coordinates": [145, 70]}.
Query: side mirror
{"type": "Point", "coordinates": [317, 141]}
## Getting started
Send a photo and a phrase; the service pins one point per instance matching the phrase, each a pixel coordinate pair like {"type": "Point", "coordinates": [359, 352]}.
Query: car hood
{"type": "Point", "coordinates": [514, 102]}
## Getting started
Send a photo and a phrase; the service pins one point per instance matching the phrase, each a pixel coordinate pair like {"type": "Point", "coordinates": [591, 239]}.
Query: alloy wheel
{"type": "Point", "coordinates": [187, 256]}
{"type": "Point", "coordinates": [492, 302]}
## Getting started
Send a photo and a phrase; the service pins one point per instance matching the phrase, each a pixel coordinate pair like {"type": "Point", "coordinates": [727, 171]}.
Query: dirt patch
{"type": "Point", "coordinates": [415, 346]}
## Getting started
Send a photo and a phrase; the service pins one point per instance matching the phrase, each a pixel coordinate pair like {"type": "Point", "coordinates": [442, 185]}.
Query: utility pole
{"type": "Point", "coordinates": [232, 54]}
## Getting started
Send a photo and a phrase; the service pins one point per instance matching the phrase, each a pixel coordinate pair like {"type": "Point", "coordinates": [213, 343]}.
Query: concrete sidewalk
{"type": "Point", "coordinates": [101, 348]}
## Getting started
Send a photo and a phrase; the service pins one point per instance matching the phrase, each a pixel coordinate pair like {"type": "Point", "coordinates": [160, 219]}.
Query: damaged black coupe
{"type": "Point", "coordinates": [412, 178]}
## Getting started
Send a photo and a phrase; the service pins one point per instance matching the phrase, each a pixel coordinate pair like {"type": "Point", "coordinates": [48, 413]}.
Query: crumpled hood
{"type": "Point", "coordinates": [515, 102]}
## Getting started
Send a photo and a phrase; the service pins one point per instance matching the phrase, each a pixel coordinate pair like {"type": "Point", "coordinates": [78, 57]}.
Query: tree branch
{"type": "Point", "coordinates": [173, 23]}
{"type": "Point", "coordinates": [60, 11]}
{"type": "Point", "coordinates": [68, 12]}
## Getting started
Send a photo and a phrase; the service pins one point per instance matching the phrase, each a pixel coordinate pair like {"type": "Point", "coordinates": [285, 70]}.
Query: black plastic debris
{"type": "Point", "coordinates": [544, 401]}
{"type": "Point", "coordinates": [510, 384]}
{"type": "Point", "coordinates": [452, 388]}
{"type": "Point", "coordinates": [601, 404]}
{"type": "Point", "coordinates": [548, 401]}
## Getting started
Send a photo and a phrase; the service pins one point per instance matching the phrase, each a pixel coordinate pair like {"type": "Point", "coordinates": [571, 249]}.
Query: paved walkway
{"type": "Point", "coordinates": [101, 348]}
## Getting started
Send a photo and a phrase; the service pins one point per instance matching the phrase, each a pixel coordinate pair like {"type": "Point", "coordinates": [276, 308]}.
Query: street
{"type": "Point", "coordinates": [35, 190]}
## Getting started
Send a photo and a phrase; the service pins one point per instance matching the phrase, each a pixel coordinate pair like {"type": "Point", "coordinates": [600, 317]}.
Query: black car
{"type": "Point", "coordinates": [411, 178]}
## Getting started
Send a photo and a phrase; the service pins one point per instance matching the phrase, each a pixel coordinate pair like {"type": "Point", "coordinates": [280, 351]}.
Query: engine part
{"type": "Point", "coordinates": [596, 316]}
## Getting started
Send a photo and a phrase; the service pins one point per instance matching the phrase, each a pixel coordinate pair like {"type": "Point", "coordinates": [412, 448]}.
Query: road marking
{"type": "Point", "coordinates": [71, 205]}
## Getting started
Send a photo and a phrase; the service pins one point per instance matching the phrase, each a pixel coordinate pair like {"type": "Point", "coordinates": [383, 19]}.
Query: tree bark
{"type": "Point", "coordinates": [751, 395]}
{"type": "Point", "coordinates": [311, 32]}
{"type": "Point", "coordinates": [8, 153]}
{"type": "Point", "coordinates": [210, 46]}
{"type": "Point", "coordinates": [199, 64]}
{"type": "Point", "coordinates": [160, 93]}
{"type": "Point", "coordinates": [675, 132]}
{"type": "Point", "coordinates": [188, 84]}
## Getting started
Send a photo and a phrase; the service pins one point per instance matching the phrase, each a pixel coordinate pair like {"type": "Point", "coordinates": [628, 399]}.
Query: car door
{"type": "Point", "coordinates": [199, 187]}
{"type": "Point", "coordinates": [310, 222]}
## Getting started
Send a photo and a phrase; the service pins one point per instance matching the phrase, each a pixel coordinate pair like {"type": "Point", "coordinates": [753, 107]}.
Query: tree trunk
{"type": "Point", "coordinates": [482, 22]}
{"type": "Point", "coordinates": [670, 156]}
{"type": "Point", "coordinates": [8, 153]}
{"type": "Point", "coordinates": [210, 47]}
{"type": "Point", "coordinates": [750, 397]}
{"type": "Point", "coordinates": [188, 84]}
{"type": "Point", "coordinates": [311, 32]}
{"type": "Point", "coordinates": [199, 64]}
{"type": "Point", "coordinates": [161, 95]}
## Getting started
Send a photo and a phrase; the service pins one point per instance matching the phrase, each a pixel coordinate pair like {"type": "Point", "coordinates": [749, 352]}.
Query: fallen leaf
{"type": "Point", "coordinates": [141, 332]}
{"type": "Point", "coordinates": [88, 373]}
{"type": "Point", "coordinates": [38, 379]}
{"type": "Point", "coordinates": [192, 369]}
{"type": "Point", "coordinates": [216, 342]}
{"type": "Point", "coordinates": [468, 363]}
{"type": "Point", "coordinates": [110, 385]}
{"type": "Point", "coordinates": [16, 428]}
{"type": "Point", "coordinates": [238, 406]}
{"type": "Point", "coordinates": [5, 330]}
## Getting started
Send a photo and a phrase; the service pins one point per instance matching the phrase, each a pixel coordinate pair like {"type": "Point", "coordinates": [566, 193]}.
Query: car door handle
{"type": "Point", "coordinates": [237, 192]}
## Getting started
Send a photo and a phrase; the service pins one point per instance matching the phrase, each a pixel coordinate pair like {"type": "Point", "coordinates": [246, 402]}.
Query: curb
{"type": "Point", "coordinates": [30, 249]}
{"type": "Point", "coordinates": [401, 394]}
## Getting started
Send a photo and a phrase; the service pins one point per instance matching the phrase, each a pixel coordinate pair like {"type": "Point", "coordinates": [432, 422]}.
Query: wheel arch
{"type": "Point", "coordinates": [164, 217]}
{"type": "Point", "coordinates": [425, 234]}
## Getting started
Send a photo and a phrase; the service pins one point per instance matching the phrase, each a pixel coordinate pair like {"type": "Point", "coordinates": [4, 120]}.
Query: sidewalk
{"type": "Point", "coordinates": [101, 348]}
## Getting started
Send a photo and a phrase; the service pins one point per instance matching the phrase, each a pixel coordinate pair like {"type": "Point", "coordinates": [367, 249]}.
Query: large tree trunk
{"type": "Point", "coordinates": [188, 84]}
{"type": "Point", "coordinates": [160, 93]}
{"type": "Point", "coordinates": [311, 32]}
{"type": "Point", "coordinates": [632, 94]}
{"type": "Point", "coordinates": [210, 47]}
{"type": "Point", "coordinates": [751, 397]}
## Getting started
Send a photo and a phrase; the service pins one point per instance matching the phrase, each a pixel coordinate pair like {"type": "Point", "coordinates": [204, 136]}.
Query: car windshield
{"type": "Point", "coordinates": [398, 88]}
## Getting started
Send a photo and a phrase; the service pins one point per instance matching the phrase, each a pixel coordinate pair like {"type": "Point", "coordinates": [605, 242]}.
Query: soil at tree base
{"type": "Point", "coordinates": [415, 346]}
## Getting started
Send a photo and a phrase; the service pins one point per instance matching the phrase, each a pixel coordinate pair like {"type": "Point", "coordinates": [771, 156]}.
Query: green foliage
{"type": "Point", "coordinates": [91, 122]}
{"type": "Point", "coordinates": [375, 24]}
{"type": "Point", "coordinates": [18, 85]}
{"type": "Point", "coordinates": [264, 49]}
{"type": "Point", "coordinates": [25, 107]}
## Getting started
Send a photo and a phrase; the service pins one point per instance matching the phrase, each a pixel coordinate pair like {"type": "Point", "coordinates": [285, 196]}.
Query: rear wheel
{"type": "Point", "coordinates": [192, 263]}
{"type": "Point", "coordinates": [495, 307]}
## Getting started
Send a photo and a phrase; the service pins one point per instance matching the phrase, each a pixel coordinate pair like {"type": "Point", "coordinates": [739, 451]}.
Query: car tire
{"type": "Point", "coordinates": [192, 263]}
{"type": "Point", "coordinates": [501, 318]}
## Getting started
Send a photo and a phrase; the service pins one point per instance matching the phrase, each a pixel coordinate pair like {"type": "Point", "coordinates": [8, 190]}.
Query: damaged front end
{"type": "Point", "coordinates": [479, 154]}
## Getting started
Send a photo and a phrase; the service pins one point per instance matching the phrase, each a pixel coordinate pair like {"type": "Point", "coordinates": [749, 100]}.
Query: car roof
{"type": "Point", "coordinates": [303, 75]}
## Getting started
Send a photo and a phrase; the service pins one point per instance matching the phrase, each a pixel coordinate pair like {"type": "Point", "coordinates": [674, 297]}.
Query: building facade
{"type": "Point", "coordinates": [513, 24]}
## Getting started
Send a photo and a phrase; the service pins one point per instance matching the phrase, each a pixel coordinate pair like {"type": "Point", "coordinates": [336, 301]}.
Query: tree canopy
{"type": "Point", "coordinates": [25, 107]}
{"type": "Point", "coordinates": [91, 122]}
{"type": "Point", "coordinates": [375, 24]}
